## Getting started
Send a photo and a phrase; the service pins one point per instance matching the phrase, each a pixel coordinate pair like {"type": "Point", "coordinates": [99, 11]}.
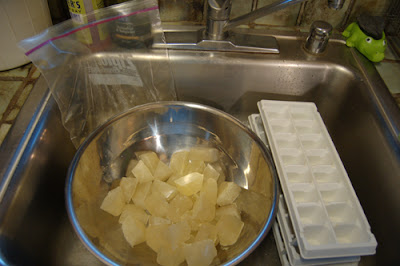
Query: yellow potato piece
{"type": "Point", "coordinates": [178, 206]}
{"type": "Point", "coordinates": [156, 204]}
{"type": "Point", "coordinates": [210, 172]}
{"type": "Point", "coordinates": [207, 231]}
{"type": "Point", "coordinates": [114, 202]}
{"type": "Point", "coordinates": [134, 231]}
{"type": "Point", "coordinates": [172, 179]}
{"type": "Point", "coordinates": [162, 172]}
{"type": "Point", "coordinates": [210, 190]}
{"type": "Point", "coordinates": [230, 209]}
{"type": "Point", "coordinates": [132, 163]}
{"type": "Point", "coordinates": [150, 159]}
{"type": "Point", "coordinates": [204, 207]}
{"type": "Point", "coordinates": [165, 189]}
{"type": "Point", "coordinates": [142, 172]}
{"type": "Point", "coordinates": [229, 228]}
{"type": "Point", "coordinates": [178, 233]}
{"type": "Point", "coordinates": [205, 154]}
{"type": "Point", "coordinates": [189, 184]}
{"type": "Point", "coordinates": [178, 161]}
{"type": "Point", "coordinates": [194, 166]}
{"type": "Point", "coordinates": [131, 210]}
{"type": "Point", "coordinates": [142, 190]}
{"type": "Point", "coordinates": [168, 256]}
{"type": "Point", "coordinates": [200, 253]}
{"type": "Point", "coordinates": [156, 236]}
{"type": "Point", "coordinates": [227, 193]}
{"type": "Point", "coordinates": [128, 185]}
{"type": "Point", "coordinates": [154, 220]}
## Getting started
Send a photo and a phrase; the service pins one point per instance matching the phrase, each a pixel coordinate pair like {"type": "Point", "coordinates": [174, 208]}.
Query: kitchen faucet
{"type": "Point", "coordinates": [218, 22]}
{"type": "Point", "coordinates": [218, 33]}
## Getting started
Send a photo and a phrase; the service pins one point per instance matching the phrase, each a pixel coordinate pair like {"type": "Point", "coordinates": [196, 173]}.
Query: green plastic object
{"type": "Point", "coordinates": [373, 49]}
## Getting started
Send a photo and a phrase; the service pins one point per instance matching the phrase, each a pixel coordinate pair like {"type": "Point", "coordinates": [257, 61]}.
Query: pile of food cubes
{"type": "Point", "coordinates": [182, 209]}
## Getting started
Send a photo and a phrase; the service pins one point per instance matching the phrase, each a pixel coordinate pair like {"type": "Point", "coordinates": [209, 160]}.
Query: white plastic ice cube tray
{"type": "Point", "coordinates": [327, 217]}
{"type": "Point", "coordinates": [284, 235]}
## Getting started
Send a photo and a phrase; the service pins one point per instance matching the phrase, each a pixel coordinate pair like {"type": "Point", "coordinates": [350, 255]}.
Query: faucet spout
{"type": "Point", "coordinates": [218, 22]}
{"type": "Point", "coordinates": [259, 13]}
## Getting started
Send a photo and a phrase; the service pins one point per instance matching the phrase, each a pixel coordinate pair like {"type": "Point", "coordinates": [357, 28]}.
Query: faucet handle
{"type": "Point", "coordinates": [319, 36]}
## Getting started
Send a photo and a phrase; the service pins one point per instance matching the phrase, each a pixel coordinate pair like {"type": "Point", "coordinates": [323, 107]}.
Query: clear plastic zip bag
{"type": "Point", "coordinates": [103, 64]}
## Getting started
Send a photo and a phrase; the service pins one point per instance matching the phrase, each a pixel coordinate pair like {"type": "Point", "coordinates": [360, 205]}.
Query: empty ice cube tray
{"type": "Point", "coordinates": [283, 229]}
{"type": "Point", "coordinates": [327, 218]}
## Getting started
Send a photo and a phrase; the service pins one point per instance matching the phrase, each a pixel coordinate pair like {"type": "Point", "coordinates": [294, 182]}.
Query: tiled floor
{"type": "Point", "coordinates": [15, 86]}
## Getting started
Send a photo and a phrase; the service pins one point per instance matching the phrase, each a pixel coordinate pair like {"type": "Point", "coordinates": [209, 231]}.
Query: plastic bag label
{"type": "Point", "coordinates": [115, 79]}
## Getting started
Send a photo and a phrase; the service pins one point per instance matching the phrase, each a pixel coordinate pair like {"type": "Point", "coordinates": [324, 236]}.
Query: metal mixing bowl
{"type": "Point", "coordinates": [167, 127]}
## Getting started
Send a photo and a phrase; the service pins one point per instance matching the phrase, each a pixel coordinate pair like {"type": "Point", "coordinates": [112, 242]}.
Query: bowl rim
{"type": "Point", "coordinates": [74, 163]}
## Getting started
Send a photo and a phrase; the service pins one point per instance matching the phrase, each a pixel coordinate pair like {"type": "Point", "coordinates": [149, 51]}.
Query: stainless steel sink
{"type": "Point", "coordinates": [360, 114]}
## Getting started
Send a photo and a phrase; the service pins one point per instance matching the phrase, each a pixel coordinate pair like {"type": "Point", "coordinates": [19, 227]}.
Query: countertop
{"type": "Point", "coordinates": [16, 84]}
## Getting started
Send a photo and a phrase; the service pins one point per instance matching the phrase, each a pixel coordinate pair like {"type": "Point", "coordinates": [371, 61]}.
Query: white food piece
{"type": "Point", "coordinates": [132, 163]}
{"type": "Point", "coordinates": [178, 233]}
{"type": "Point", "coordinates": [178, 206]}
{"type": "Point", "coordinates": [168, 256]}
{"type": "Point", "coordinates": [227, 193]}
{"type": "Point", "coordinates": [229, 228]}
{"type": "Point", "coordinates": [154, 220]}
{"type": "Point", "coordinates": [194, 166]}
{"type": "Point", "coordinates": [128, 185]}
{"type": "Point", "coordinates": [210, 190]}
{"type": "Point", "coordinates": [204, 207]}
{"type": "Point", "coordinates": [172, 179]}
{"type": "Point", "coordinates": [142, 190]}
{"type": "Point", "coordinates": [230, 209]}
{"type": "Point", "coordinates": [165, 189]}
{"type": "Point", "coordinates": [156, 204]}
{"type": "Point", "coordinates": [114, 202]}
{"type": "Point", "coordinates": [178, 161]}
{"type": "Point", "coordinates": [189, 184]}
{"type": "Point", "coordinates": [207, 231]}
{"type": "Point", "coordinates": [210, 172]}
{"type": "Point", "coordinates": [200, 253]}
{"type": "Point", "coordinates": [156, 236]}
{"type": "Point", "coordinates": [162, 172]}
{"type": "Point", "coordinates": [131, 210]}
{"type": "Point", "coordinates": [150, 159]}
{"type": "Point", "coordinates": [134, 231]}
{"type": "Point", "coordinates": [142, 172]}
{"type": "Point", "coordinates": [205, 154]}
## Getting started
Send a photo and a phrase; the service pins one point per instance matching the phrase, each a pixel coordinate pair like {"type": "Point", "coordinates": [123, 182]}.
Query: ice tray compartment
{"type": "Point", "coordinates": [304, 194]}
{"type": "Point", "coordinates": [319, 157]}
{"type": "Point", "coordinates": [341, 213]}
{"type": "Point", "coordinates": [318, 235]}
{"type": "Point", "coordinates": [321, 202]}
{"type": "Point", "coordinates": [350, 234]}
{"type": "Point", "coordinates": [312, 141]}
{"type": "Point", "coordinates": [306, 126]}
{"type": "Point", "coordinates": [311, 214]}
{"type": "Point", "coordinates": [298, 174]}
{"type": "Point", "coordinates": [339, 194]}
{"type": "Point", "coordinates": [325, 174]}
{"type": "Point", "coordinates": [287, 140]}
{"type": "Point", "coordinates": [282, 126]}
{"type": "Point", "coordinates": [292, 157]}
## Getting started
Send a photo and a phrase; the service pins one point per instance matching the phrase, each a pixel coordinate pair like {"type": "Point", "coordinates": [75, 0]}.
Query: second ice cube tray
{"type": "Point", "coordinates": [327, 217]}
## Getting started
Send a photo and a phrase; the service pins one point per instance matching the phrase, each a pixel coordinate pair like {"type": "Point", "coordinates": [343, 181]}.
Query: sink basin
{"type": "Point", "coordinates": [357, 109]}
